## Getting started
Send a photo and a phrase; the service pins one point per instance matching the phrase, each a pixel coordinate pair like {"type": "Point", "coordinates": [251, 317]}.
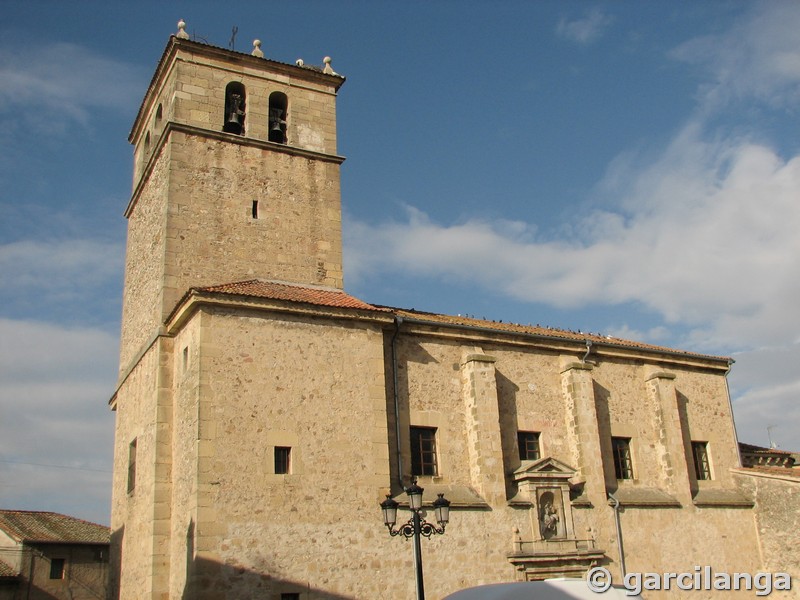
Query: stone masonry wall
{"type": "Point", "coordinates": [777, 499]}
{"type": "Point", "coordinates": [246, 381]}
{"type": "Point", "coordinates": [131, 514]}
{"type": "Point", "coordinates": [708, 418]}
{"type": "Point", "coordinates": [212, 236]}
{"type": "Point", "coordinates": [530, 397]}
{"type": "Point", "coordinates": [185, 414]}
{"type": "Point", "coordinates": [268, 381]}
{"type": "Point", "coordinates": [193, 93]}
{"type": "Point", "coordinates": [142, 303]}
{"type": "Point", "coordinates": [200, 100]}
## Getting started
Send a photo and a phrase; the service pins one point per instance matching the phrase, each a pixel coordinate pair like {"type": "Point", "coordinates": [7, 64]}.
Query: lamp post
{"type": "Point", "coordinates": [416, 526]}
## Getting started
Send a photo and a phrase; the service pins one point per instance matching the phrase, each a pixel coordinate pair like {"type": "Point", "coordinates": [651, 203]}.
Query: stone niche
{"type": "Point", "coordinates": [552, 549]}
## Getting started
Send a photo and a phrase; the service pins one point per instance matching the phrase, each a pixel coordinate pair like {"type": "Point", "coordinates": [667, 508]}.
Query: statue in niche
{"type": "Point", "coordinates": [548, 516]}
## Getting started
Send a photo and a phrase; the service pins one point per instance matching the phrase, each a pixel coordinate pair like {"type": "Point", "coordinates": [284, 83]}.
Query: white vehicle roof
{"type": "Point", "coordinates": [551, 589]}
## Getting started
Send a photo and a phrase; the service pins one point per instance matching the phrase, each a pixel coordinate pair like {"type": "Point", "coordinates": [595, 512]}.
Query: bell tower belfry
{"type": "Point", "coordinates": [236, 177]}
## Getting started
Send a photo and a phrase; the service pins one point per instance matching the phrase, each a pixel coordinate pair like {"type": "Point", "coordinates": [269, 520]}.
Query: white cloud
{"type": "Point", "coordinates": [51, 271]}
{"type": "Point", "coordinates": [765, 385]}
{"type": "Point", "coordinates": [713, 245]}
{"type": "Point", "coordinates": [55, 83]}
{"type": "Point", "coordinates": [758, 59]}
{"type": "Point", "coordinates": [586, 29]}
{"type": "Point", "coordinates": [54, 387]}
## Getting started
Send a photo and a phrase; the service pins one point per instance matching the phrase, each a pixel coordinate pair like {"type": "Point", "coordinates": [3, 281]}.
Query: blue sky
{"type": "Point", "coordinates": [630, 168]}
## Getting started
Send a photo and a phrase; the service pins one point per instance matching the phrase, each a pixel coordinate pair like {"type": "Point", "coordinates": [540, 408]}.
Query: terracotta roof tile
{"type": "Point", "coordinates": [550, 332]}
{"type": "Point", "coordinates": [50, 527]}
{"type": "Point", "coordinates": [6, 571]}
{"type": "Point", "coordinates": [337, 298]}
{"type": "Point", "coordinates": [793, 472]}
{"type": "Point", "coordinates": [761, 449]}
{"type": "Point", "coordinates": [292, 293]}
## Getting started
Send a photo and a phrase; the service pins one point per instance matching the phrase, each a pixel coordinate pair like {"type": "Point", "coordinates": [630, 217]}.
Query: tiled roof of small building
{"type": "Point", "coordinates": [752, 448]}
{"type": "Point", "coordinates": [293, 293]}
{"type": "Point", "coordinates": [50, 527]}
{"type": "Point", "coordinates": [793, 472]}
{"type": "Point", "coordinates": [6, 571]}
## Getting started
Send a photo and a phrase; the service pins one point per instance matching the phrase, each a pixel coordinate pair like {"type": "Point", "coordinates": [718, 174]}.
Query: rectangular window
{"type": "Point", "coordinates": [290, 596]}
{"type": "Point", "coordinates": [57, 568]}
{"type": "Point", "coordinates": [132, 466]}
{"type": "Point", "coordinates": [528, 445]}
{"type": "Point", "coordinates": [423, 451]}
{"type": "Point", "coordinates": [623, 467]}
{"type": "Point", "coordinates": [282, 460]}
{"type": "Point", "coordinates": [702, 468]}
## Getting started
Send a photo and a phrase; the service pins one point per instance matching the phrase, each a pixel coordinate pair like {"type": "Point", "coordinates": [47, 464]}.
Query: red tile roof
{"type": "Point", "coordinates": [538, 330]}
{"type": "Point", "coordinates": [319, 296]}
{"type": "Point", "coordinates": [761, 449]}
{"type": "Point", "coordinates": [292, 293]}
{"type": "Point", "coordinates": [793, 472]}
{"type": "Point", "coordinates": [50, 527]}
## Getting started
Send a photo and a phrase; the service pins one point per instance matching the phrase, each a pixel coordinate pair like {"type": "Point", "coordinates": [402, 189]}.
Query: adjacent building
{"type": "Point", "coordinates": [50, 556]}
{"type": "Point", "coordinates": [262, 413]}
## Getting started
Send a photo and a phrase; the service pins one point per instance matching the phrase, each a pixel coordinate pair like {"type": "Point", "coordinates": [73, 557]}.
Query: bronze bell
{"type": "Point", "coordinates": [233, 117]}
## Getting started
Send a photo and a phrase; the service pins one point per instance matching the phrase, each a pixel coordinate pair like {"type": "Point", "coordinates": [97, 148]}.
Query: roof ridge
{"type": "Point", "coordinates": [543, 330]}
{"type": "Point", "coordinates": [757, 448]}
{"type": "Point", "coordinates": [311, 294]}
{"type": "Point", "coordinates": [310, 286]}
{"type": "Point", "coordinates": [49, 512]}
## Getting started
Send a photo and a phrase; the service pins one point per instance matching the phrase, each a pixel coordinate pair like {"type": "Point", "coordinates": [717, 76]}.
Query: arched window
{"type": "Point", "coordinates": [234, 108]}
{"type": "Point", "coordinates": [159, 115]}
{"type": "Point", "coordinates": [278, 104]}
{"type": "Point", "coordinates": [147, 143]}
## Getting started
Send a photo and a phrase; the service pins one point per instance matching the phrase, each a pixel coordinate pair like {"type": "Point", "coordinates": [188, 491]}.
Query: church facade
{"type": "Point", "coordinates": [262, 413]}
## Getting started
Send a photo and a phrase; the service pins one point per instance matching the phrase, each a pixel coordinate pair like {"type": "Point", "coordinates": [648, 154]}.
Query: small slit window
{"type": "Point", "coordinates": [234, 108]}
{"type": "Point", "coordinates": [278, 106]}
{"type": "Point", "coordinates": [255, 209]}
{"type": "Point", "coordinates": [132, 466]}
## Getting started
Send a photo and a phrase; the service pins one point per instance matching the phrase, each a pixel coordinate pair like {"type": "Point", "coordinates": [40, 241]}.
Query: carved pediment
{"type": "Point", "coordinates": [545, 469]}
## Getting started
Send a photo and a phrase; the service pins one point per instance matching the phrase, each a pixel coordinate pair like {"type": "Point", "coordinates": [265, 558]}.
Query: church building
{"type": "Point", "coordinates": [263, 413]}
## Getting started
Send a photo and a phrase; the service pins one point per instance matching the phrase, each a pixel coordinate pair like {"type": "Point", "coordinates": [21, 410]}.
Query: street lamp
{"type": "Point", "coordinates": [416, 525]}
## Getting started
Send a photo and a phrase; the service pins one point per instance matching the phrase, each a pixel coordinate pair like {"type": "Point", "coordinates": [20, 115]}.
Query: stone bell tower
{"type": "Point", "coordinates": [236, 177]}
